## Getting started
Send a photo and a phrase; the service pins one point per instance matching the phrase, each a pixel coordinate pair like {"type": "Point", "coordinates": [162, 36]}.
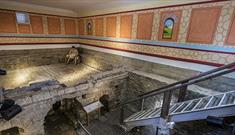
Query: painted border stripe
{"type": "Point", "coordinates": [159, 56]}
{"type": "Point", "coordinates": [206, 48]}
{"type": "Point", "coordinates": [194, 47]}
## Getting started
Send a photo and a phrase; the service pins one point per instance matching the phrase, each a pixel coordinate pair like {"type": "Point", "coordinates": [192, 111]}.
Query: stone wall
{"type": "Point", "coordinates": [16, 59]}
{"type": "Point", "coordinates": [105, 61]}
{"type": "Point", "coordinates": [37, 104]}
{"type": "Point", "coordinates": [137, 85]}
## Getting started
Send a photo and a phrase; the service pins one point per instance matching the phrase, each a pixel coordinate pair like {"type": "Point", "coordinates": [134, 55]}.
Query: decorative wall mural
{"type": "Point", "coordinates": [169, 25]}
{"type": "Point", "coordinates": [183, 38]}
{"type": "Point", "coordinates": [89, 27]}
{"type": "Point", "coordinates": [168, 28]}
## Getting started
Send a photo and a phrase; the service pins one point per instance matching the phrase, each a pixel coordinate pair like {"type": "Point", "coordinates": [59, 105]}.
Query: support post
{"type": "Point", "coordinates": [122, 115]}
{"type": "Point", "coordinates": [166, 104]}
{"type": "Point", "coordinates": [142, 104]}
{"type": "Point", "coordinates": [182, 94]}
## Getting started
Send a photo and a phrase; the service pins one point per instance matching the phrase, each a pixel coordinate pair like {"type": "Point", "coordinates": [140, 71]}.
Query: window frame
{"type": "Point", "coordinates": [23, 13]}
{"type": "Point", "coordinates": [172, 19]}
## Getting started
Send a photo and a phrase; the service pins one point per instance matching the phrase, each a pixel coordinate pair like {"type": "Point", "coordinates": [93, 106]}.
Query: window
{"type": "Point", "coordinates": [168, 28]}
{"type": "Point", "coordinates": [22, 18]}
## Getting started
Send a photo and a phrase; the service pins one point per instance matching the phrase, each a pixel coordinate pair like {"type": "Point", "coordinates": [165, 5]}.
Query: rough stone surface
{"type": "Point", "coordinates": [116, 83]}
{"type": "Point", "coordinates": [67, 74]}
{"type": "Point", "coordinates": [18, 59]}
{"type": "Point", "coordinates": [105, 61]}
{"type": "Point", "coordinates": [39, 103]}
{"type": "Point", "coordinates": [137, 85]}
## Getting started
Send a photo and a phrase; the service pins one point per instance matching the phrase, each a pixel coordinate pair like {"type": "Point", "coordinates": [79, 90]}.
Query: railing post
{"type": "Point", "coordinates": [166, 104]}
{"type": "Point", "coordinates": [182, 94]}
{"type": "Point", "coordinates": [142, 104]}
{"type": "Point", "coordinates": [122, 114]}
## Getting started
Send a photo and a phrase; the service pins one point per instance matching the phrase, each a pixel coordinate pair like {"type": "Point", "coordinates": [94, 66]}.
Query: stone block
{"type": "Point", "coordinates": [41, 96]}
{"type": "Point", "coordinates": [24, 101]}
{"type": "Point", "coordinates": [70, 90]}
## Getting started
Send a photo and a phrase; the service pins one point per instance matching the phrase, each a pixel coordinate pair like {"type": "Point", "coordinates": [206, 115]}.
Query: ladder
{"type": "Point", "coordinates": [221, 105]}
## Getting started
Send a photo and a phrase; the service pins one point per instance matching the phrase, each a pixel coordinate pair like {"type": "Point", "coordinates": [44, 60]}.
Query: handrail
{"type": "Point", "coordinates": [87, 132]}
{"type": "Point", "coordinates": [167, 90]}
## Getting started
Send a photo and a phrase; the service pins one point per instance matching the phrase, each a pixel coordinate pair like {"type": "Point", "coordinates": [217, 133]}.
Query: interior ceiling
{"type": "Point", "coordinates": [84, 7]}
{"type": "Point", "coordinates": [81, 5]}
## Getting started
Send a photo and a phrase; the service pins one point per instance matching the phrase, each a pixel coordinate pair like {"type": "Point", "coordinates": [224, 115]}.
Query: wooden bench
{"type": "Point", "coordinates": [91, 108]}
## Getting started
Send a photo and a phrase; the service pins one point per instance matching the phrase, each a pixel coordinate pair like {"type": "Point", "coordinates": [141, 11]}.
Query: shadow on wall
{"type": "Point", "coordinates": [63, 116]}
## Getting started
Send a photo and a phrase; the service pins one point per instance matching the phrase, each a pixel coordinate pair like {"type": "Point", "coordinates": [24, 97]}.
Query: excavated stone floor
{"type": "Point", "coordinates": [66, 74]}
{"type": "Point", "coordinates": [108, 123]}
{"type": "Point", "coordinates": [57, 124]}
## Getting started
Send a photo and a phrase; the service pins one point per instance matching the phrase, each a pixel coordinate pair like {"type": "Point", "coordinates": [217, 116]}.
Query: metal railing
{"type": "Point", "coordinates": [83, 128]}
{"type": "Point", "coordinates": [181, 86]}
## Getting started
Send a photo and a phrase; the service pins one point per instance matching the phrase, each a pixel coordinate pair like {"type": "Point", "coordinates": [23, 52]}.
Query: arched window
{"type": "Point", "coordinates": [168, 28]}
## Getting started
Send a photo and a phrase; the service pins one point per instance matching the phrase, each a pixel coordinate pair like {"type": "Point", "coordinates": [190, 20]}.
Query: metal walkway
{"type": "Point", "coordinates": [221, 105]}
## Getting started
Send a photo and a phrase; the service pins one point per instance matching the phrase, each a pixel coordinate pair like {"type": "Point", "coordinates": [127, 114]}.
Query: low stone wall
{"type": "Point", "coordinates": [137, 85]}
{"type": "Point", "coordinates": [17, 59]}
{"type": "Point", "coordinates": [106, 61]}
{"type": "Point", "coordinates": [141, 82]}
{"type": "Point", "coordinates": [102, 61]}
{"type": "Point", "coordinates": [37, 104]}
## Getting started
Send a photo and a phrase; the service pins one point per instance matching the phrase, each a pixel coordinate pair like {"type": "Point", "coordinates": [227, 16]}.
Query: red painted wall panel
{"type": "Point", "coordinates": [126, 26]}
{"type": "Point", "coordinates": [54, 26]}
{"type": "Point", "coordinates": [70, 26]}
{"type": "Point", "coordinates": [111, 26]}
{"type": "Point", "coordinates": [99, 26]}
{"type": "Point", "coordinates": [81, 25]}
{"type": "Point", "coordinates": [24, 28]}
{"type": "Point", "coordinates": [144, 28]}
{"type": "Point", "coordinates": [231, 35]}
{"type": "Point", "coordinates": [36, 24]}
{"type": "Point", "coordinates": [7, 22]}
{"type": "Point", "coordinates": [203, 25]}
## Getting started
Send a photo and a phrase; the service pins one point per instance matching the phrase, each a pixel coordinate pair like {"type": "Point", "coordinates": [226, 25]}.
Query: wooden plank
{"type": "Point", "coordinates": [93, 106]}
